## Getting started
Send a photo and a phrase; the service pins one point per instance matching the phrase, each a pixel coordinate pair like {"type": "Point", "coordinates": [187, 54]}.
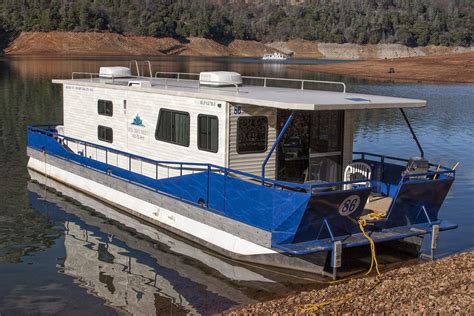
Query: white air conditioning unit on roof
{"type": "Point", "coordinates": [115, 72]}
{"type": "Point", "coordinates": [220, 78]}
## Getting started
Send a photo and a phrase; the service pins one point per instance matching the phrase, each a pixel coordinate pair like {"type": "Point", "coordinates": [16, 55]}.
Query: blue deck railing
{"type": "Point", "coordinates": [48, 130]}
{"type": "Point", "coordinates": [232, 193]}
{"type": "Point", "coordinates": [183, 167]}
{"type": "Point", "coordinates": [289, 210]}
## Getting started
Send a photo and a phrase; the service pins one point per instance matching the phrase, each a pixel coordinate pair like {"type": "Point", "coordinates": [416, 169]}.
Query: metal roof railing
{"type": "Point", "coordinates": [178, 76]}
{"type": "Point", "coordinates": [91, 75]}
{"type": "Point", "coordinates": [302, 81]}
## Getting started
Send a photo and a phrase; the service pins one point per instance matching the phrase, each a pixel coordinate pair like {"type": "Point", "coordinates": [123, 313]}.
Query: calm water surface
{"type": "Point", "coordinates": [58, 255]}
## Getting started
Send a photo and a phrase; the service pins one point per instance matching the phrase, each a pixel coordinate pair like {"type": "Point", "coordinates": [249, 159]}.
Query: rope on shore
{"type": "Point", "coordinates": [314, 307]}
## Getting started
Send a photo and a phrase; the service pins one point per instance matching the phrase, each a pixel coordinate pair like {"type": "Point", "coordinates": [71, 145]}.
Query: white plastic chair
{"type": "Point", "coordinates": [313, 172]}
{"type": "Point", "coordinates": [355, 171]}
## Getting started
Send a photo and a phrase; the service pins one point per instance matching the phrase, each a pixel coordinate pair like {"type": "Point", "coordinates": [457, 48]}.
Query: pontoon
{"type": "Point", "coordinates": [241, 165]}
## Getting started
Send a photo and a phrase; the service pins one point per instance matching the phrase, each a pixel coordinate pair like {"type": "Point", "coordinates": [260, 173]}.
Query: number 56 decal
{"type": "Point", "coordinates": [349, 205]}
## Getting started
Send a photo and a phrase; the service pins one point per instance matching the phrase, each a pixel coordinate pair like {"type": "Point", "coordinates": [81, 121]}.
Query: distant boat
{"type": "Point", "coordinates": [275, 56]}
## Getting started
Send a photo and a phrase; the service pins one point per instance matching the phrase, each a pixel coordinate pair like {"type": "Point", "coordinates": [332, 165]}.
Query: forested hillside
{"type": "Point", "coordinates": [409, 22]}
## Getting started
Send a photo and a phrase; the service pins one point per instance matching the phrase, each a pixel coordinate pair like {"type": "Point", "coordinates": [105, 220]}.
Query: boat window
{"type": "Point", "coordinates": [208, 131]}
{"type": "Point", "coordinates": [252, 134]}
{"type": "Point", "coordinates": [105, 134]}
{"type": "Point", "coordinates": [173, 127]}
{"type": "Point", "coordinates": [105, 107]}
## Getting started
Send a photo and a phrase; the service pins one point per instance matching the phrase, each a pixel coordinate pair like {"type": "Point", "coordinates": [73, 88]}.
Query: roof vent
{"type": "Point", "coordinates": [220, 78]}
{"type": "Point", "coordinates": [115, 72]}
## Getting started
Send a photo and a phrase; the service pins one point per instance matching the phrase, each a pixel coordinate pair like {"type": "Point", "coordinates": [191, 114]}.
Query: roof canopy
{"type": "Point", "coordinates": [281, 98]}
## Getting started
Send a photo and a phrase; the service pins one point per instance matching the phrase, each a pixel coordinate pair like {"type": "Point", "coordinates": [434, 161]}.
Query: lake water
{"type": "Point", "coordinates": [58, 255]}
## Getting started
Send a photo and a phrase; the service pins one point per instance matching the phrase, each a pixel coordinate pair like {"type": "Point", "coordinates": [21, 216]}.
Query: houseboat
{"type": "Point", "coordinates": [276, 56]}
{"type": "Point", "coordinates": [241, 165]}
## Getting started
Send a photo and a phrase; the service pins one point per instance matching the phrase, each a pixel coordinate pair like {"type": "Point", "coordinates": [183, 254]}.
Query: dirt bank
{"type": "Point", "coordinates": [110, 44]}
{"type": "Point", "coordinates": [80, 44]}
{"type": "Point", "coordinates": [453, 68]}
{"type": "Point", "coordinates": [445, 286]}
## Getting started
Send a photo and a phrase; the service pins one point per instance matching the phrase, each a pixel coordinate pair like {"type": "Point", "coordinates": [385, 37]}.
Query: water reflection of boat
{"type": "Point", "coordinates": [134, 272]}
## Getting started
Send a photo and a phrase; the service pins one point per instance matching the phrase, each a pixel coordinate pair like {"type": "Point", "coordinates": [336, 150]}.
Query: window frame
{"type": "Point", "coordinates": [104, 139]}
{"type": "Point", "coordinates": [105, 113]}
{"type": "Point", "coordinates": [188, 125]}
{"type": "Point", "coordinates": [266, 135]}
{"type": "Point", "coordinates": [199, 131]}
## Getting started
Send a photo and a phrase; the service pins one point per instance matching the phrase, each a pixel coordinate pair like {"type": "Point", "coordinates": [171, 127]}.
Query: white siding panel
{"type": "Point", "coordinates": [252, 163]}
{"type": "Point", "coordinates": [81, 120]}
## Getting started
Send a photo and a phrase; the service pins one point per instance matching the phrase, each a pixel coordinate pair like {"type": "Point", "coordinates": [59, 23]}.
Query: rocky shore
{"type": "Point", "coordinates": [453, 68]}
{"type": "Point", "coordinates": [113, 44]}
{"type": "Point", "coordinates": [444, 286]}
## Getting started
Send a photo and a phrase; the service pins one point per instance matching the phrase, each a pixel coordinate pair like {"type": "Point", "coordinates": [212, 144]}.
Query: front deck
{"type": "Point", "coordinates": [302, 218]}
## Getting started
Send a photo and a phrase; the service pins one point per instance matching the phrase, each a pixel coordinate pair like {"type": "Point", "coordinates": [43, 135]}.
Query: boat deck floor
{"type": "Point", "coordinates": [377, 204]}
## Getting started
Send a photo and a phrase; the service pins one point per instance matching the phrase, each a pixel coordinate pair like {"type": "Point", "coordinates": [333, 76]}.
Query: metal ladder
{"type": "Point", "coordinates": [143, 64]}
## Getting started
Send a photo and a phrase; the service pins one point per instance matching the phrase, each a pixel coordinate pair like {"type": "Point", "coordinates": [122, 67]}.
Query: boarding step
{"type": "Point", "coordinates": [358, 239]}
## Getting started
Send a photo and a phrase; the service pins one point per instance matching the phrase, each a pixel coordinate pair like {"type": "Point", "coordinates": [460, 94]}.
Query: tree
{"type": "Point", "coordinates": [409, 22]}
{"type": "Point", "coordinates": [405, 36]}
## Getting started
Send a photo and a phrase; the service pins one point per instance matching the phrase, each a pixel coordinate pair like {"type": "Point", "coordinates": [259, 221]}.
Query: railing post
{"type": "Point", "coordinates": [275, 144]}
{"type": "Point", "coordinates": [413, 133]}
{"type": "Point", "coordinates": [208, 184]}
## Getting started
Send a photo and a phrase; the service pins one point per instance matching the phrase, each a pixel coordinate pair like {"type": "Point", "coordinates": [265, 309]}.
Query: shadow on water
{"type": "Point", "coordinates": [153, 271]}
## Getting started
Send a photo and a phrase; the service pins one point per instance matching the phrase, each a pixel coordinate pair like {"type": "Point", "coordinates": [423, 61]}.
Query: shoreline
{"type": "Point", "coordinates": [114, 44]}
{"type": "Point", "coordinates": [381, 62]}
{"type": "Point", "coordinates": [447, 69]}
{"type": "Point", "coordinates": [454, 68]}
{"type": "Point", "coordinates": [444, 286]}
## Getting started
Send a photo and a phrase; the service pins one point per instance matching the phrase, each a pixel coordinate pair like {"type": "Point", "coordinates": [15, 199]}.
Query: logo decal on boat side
{"type": "Point", "coordinates": [349, 205]}
{"type": "Point", "coordinates": [136, 129]}
{"type": "Point", "coordinates": [137, 121]}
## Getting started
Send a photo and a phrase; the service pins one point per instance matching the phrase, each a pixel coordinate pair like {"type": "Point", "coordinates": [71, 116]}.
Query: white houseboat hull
{"type": "Point", "coordinates": [206, 229]}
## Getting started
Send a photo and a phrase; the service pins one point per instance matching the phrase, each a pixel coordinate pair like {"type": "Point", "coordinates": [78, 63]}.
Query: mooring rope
{"type": "Point", "coordinates": [314, 307]}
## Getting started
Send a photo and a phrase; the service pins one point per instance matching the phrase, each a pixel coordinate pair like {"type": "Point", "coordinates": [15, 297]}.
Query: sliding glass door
{"type": "Point", "coordinates": [325, 146]}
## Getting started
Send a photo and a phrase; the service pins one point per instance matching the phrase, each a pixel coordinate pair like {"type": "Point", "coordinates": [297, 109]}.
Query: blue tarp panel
{"type": "Point", "coordinates": [324, 206]}
{"type": "Point", "coordinates": [250, 203]}
{"type": "Point", "coordinates": [413, 195]}
{"type": "Point", "coordinates": [301, 219]}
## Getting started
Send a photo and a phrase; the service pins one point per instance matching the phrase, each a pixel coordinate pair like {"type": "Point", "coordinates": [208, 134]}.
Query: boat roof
{"type": "Point", "coordinates": [265, 96]}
